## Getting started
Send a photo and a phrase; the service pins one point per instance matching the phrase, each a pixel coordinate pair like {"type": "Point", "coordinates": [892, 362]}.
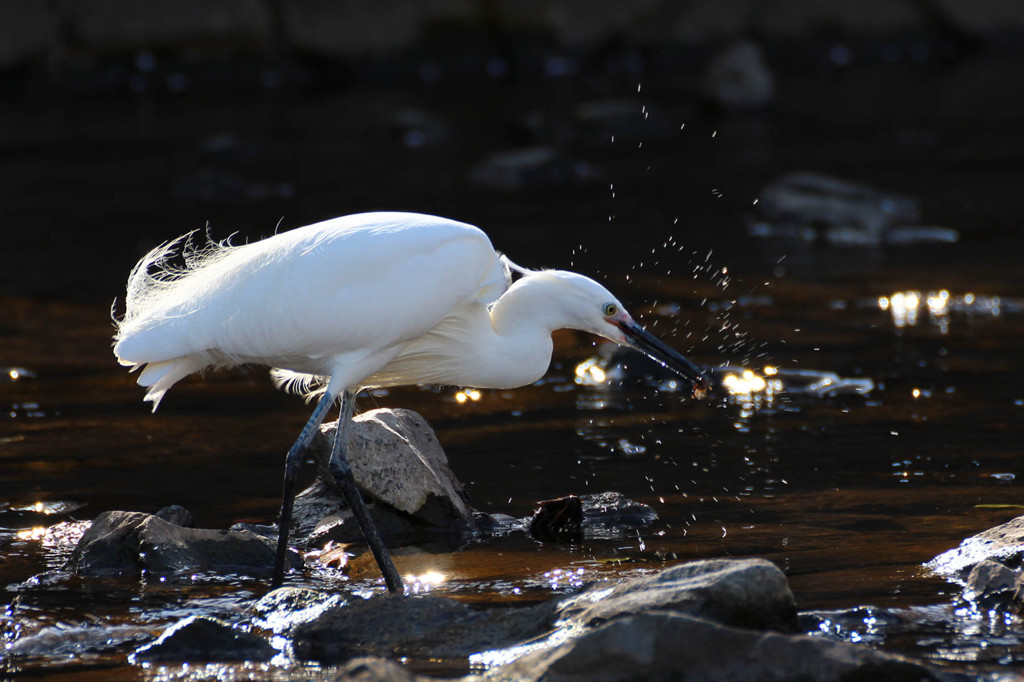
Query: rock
{"type": "Point", "coordinates": [200, 638]}
{"type": "Point", "coordinates": [128, 543]}
{"type": "Point", "coordinates": [810, 205]}
{"type": "Point", "coordinates": [74, 640]}
{"type": "Point", "coordinates": [497, 524]}
{"type": "Point", "coordinates": [738, 77]}
{"type": "Point", "coordinates": [750, 593]}
{"type": "Point", "coordinates": [398, 463]}
{"type": "Point", "coordinates": [990, 583]}
{"type": "Point", "coordinates": [560, 520]}
{"type": "Point", "coordinates": [417, 625]}
{"type": "Point", "coordinates": [177, 515]}
{"type": "Point", "coordinates": [373, 670]}
{"type": "Point", "coordinates": [1003, 544]}
{"type": "Point", "coordinates": [664, 646]}
{"type": "Point", "coordinates": [571, 518]}
{"type": "Point", "coordinates": [615, 510]}
{"type": "Point", "coordinates": [280, 610]}
{"type": "Point", "coordinates": [341, 527]}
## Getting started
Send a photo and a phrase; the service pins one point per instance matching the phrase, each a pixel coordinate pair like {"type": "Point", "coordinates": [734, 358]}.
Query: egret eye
{"type": "Point", "coordinates": [610, 309]}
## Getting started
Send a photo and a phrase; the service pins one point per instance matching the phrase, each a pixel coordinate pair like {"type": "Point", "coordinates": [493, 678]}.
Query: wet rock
{"type": "Point", "coordinates": [285, 607]}
{"type": "Point", "coordinates": [615, 510]}
{"type": "Point", "coordinates": [663, 646]}
{"type": "Point", "coordinates": [128, 543]}
{"type": "Point", "coordinates": [560, 519]}
{"type": "Point", "coordinates": [70, 640]}
{"type": "Point", "coordinates": [421, 625]}
{"type": "Point", "coordinates": [745, 593]}
{"type": "Point", "coordinates": [201, 638]}
{"type": "Point", "coordinates": [341, 527]}
{"type": "Point", "coordinates": [497, 524]}
{"type": "Point", "coordinates": [399, 465]}
{"type": "Point", "coordinates": [811, 206]}
{"type": "Point", "coordinates": [1003, 544]}
{"type": "Point", "coordinates": [570, 519]}
{"type": "Point", "coordinates": [990, 583]}
{"type": "Point", "coordinates": [706, 620]}
{"type": "Point", "coordinates": [374, 670]}
{"type": "Point", "coordinates": [738, 77]}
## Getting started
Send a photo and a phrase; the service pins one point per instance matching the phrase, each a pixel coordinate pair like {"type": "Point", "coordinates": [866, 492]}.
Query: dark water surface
{"type": "Point", "coordinates": [848, 494]}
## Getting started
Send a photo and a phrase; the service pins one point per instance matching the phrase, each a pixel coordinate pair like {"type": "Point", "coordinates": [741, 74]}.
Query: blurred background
{"type": "Point", "coordinates": [822, 185]}
{"type": "Point", "coordinates": [548, 123]}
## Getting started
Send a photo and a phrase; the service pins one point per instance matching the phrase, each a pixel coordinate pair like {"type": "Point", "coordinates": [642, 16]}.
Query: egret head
{"type": "Point", "coordinates": [588, 306]}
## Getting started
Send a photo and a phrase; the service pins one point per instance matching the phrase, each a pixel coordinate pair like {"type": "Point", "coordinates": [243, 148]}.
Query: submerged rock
{"type": "Point", "coordinates": [129, 543]}
{"type": "Point", "coordinates": [403, 474]}
{"type": "Point", "coordinates": [201, 638]}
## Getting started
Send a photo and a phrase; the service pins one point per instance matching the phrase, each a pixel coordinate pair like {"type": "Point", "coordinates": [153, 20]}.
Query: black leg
{"type": "Point", "coordinates": [342, 472]}
{"type": "Point", "coordinates": [291, 467]}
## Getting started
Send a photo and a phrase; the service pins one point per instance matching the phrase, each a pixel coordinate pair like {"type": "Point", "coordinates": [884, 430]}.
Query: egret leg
{"type": "Point", "coordinates": [291, 468]}
{"type": "Point", "coordinates": [343, 478]}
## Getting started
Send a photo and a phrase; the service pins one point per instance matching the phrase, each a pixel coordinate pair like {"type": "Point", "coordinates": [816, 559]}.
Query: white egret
{"type": "Point", "coordinates": [361, 301]}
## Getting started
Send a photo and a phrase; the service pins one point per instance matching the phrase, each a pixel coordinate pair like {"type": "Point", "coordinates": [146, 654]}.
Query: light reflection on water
{"type": "Point", "coordinates": [911, 308]}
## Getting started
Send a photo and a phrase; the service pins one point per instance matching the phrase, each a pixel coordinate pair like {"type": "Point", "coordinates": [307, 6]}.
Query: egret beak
{"type": "Point", "coordinates": [642, 340]}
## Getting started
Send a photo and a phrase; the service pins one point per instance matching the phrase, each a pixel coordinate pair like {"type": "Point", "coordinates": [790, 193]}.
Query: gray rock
{"type": "Point", "coordinates": [340, 526]}
{"type": "Point", "coordinates": [991, 583]}
{"type": "Point", "coordinates": [809, 205]}
{"type": "Point", "coordinates": [177, 515]}
{"type": "Point", "coordinates": [412, 626]}
{"type": "Point", "coordinates": [200, 638]}
{"type": "Point", "coordinates": [671, 646]}
{"type": "Point", "coordinates": [738, 77]}
{"type": "Point", "coordinates": [750, 593]}
{"type": "Point", "coordinates": [1003, 544]}
{"type": "Point", "coordinates": [397, 462]}
{"type": "Point", "coordinates": [128, 543]}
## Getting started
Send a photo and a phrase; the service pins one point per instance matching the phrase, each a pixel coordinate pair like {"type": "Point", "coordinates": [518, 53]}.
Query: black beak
{"type": "Point", "coordinates": [657, 350]}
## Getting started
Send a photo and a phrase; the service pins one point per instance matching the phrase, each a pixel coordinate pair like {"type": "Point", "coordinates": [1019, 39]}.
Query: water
{"type": "Point", "coordinates": [848, 494]}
